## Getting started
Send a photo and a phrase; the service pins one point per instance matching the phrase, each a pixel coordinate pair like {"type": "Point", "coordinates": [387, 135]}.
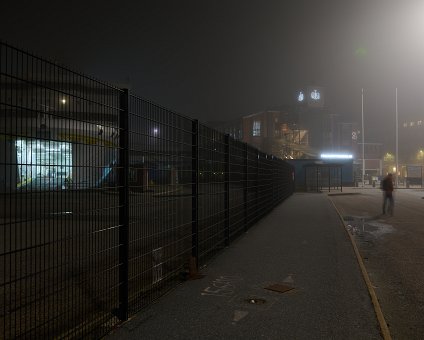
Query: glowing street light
{"type": "Point", "coordinates": [389, 157]}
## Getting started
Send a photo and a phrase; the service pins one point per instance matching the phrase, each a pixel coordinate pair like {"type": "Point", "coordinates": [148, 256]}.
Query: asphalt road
{"type": "Point", "coordinates": [392, 248]}
{"type": "Point", "coordinates": [301, 244]}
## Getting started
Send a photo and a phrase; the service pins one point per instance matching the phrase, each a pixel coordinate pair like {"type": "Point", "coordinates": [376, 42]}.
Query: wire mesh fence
{"type": "Point", "coordinates": [106, 199]}
{"type": "Point", "coordinates": [319, 177]}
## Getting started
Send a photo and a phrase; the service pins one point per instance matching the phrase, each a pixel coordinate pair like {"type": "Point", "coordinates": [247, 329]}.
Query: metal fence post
{"type": "Point", "coordinates": [274, 181]}
{"type": "Point", "coordinates": [257, 187]}
{"type": "Point", "coordinates": [246, 184]}
{"type": "Point", "coordinates": [122, 313]}
{"type": "Point", "coordinates": [329, 179]}
{"type": "Point", "coordinates": [227, 190]}
{"type": "Point", "coordinates": [195, 194]}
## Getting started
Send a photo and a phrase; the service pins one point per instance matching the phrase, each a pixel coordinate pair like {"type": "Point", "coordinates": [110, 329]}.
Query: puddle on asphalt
{"type": "Point", "coordinates": [380, 228]}
{"type": "Point", "coordinates": [359, 225]}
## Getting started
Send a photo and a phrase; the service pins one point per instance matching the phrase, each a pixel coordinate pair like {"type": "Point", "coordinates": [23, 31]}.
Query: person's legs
{"type": "Point", "coordinates": [384, 202]}
{"type": "Point", "coordinates": [391, 204]}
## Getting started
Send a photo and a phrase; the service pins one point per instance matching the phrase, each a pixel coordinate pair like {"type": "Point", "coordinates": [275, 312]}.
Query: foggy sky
{"type": "Point", "coordinates": [217, 60]}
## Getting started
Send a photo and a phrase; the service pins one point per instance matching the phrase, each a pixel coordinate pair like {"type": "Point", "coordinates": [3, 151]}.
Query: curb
{"type": "Point", "coordinates": [385, 332]}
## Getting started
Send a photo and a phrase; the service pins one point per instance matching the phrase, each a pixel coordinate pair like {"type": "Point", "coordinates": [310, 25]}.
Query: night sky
{"type": "Point", "coordinates": [219, 60]}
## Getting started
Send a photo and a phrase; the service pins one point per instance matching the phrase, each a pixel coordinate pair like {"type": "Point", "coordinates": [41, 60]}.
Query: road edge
{"type": "Point", "coordinates": [377, 309]}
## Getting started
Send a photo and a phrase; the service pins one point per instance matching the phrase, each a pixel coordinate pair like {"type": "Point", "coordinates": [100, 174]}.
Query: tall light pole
{"type": "Point", "coordinates": [422, 165]}
{"type": "Point", "coordinates": [363, 139]}
{"type": "Point", "coordinates": [397, 142]}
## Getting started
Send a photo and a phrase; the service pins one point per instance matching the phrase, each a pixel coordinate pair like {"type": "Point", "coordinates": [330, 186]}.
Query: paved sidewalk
{"type": "Point", "coordinates": [302, 244]}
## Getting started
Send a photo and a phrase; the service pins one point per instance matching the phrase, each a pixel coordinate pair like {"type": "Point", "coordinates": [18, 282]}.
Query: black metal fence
{"type": "Point", "coordinates": [319, 177]}
{"type": "Point", "coordinates": [107, 199]}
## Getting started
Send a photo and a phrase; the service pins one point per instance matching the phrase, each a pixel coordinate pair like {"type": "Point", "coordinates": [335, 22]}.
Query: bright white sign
{"type": "Point", "coordinates": [336, 156]}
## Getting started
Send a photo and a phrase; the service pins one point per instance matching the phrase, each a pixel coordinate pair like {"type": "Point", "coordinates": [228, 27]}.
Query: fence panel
{"type": "Point", "coordinates": [59, 214]}
{"type": "Point", "coordinates": [237, 187]}
{"type": "Point", "coordinates": [211, 192]}
{"type": "Point", "coordinates": [252, 186]}
{"type": "Point", "coordinates": [160, 200]}
{"type": "Point", "coordinates": [108, 200]}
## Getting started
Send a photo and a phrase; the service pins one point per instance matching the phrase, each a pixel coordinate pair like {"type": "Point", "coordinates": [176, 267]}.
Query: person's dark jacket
{"type": "Point", "coordinates": [387, 185]}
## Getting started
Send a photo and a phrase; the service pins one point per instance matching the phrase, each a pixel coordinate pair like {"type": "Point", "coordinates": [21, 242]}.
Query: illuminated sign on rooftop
{"type": "Point", "coordinates": [315, 95]}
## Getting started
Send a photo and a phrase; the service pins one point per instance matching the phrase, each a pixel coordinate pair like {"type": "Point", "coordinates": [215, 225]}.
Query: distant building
{"type": "Point", "coordinates": [346, 138]}
{"type": "Point", "coordinates": [411, 141]}
{"type": "Point", "coordinates": [299, 132]}
{"type": "Point", "coordinates": [313, 116]}
{"type": "Point", "coordinates": [373, 154]}
{"type": "Point", "coordinates": [303, 130]}
{"type": "Point", "coordinates": [276, 132]}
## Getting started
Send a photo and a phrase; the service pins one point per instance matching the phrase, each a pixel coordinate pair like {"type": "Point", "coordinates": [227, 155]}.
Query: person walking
{"type": "Point", "coordinates": [387, 187]}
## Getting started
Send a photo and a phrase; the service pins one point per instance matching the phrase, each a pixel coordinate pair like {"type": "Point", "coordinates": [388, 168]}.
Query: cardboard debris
{"type": "Point", "coordinates": [280, 288]}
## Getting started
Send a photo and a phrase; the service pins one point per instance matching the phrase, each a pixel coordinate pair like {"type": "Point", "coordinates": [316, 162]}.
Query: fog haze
{"type": "Point", "coordinates": [225, 59]}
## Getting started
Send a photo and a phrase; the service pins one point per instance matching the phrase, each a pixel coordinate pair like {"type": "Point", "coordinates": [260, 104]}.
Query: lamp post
{"type": "Point", "coordinates": [397, 142]}
{"type": "Point", "coordinates": [422, 164]}
{"type": "Point", "coordinates": [363, 138]}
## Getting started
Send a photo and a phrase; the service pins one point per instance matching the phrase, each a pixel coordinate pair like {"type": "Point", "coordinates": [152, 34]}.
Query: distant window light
{"type": "Point", "coordinates": [411, 123]}
{"type": "Point", "coordinates": [405, 125]}
{"type": "Point", "coordinates": [256, 128]}
{"type": "Point", "coordinates": [420, 122]}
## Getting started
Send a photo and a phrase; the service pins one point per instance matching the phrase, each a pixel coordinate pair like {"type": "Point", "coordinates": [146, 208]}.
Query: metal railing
{"type": "Point", "coordinates": [107, 200]}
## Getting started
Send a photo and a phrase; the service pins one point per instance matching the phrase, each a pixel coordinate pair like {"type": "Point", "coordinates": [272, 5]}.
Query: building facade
{"type": "Point", "coordinates": [276, 132]}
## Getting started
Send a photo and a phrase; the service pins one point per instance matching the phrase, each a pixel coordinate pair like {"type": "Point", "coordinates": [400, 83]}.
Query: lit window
{"type": "Point", "coordinates": [256, 128]}
{"type": "Point", "coordinates": [420, 122]}
{"type": "Point", "coordinates": [411, 123]}
{"type": "Point", "coordinates": [405, 124]}
{"type": "Point", "coordinates": [43, 164]}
